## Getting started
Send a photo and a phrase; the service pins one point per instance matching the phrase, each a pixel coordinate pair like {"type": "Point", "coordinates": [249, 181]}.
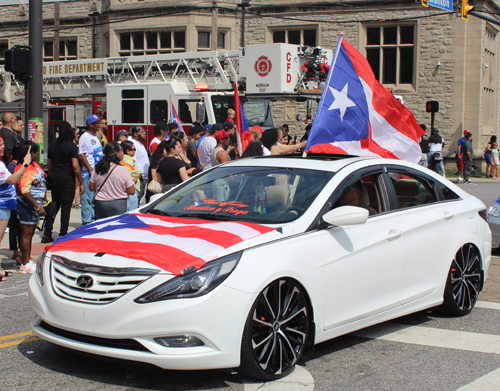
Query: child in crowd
{"type": "Point", "coordinates": [495, 161]}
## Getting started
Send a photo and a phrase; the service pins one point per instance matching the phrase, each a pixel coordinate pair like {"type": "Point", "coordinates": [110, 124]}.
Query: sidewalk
{"type": "Point", "coordinates": [9, 264]}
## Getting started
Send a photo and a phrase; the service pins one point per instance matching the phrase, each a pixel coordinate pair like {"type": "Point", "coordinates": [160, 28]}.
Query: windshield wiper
{"type": "Point", "coordinates": [208, 216]}
{"type": "Point", "coordinates": [159, 212]}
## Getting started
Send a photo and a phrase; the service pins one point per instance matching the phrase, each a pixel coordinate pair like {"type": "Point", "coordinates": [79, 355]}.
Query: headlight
{"type": "Point", "coordinates": [194, 284]}
{"type": "Point", "coordinates": [39, 267]}
{"type": "Point", "coordinates": [494, 209]}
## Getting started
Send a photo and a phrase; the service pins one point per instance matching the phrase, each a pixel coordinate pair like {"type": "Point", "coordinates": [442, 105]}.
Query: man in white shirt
{"type": "Point", "coordinates": [207, 145]}
{"type": "Point", "coordinates": [89, 152]}
{"type": "Point", "coordinates": [141, 155]}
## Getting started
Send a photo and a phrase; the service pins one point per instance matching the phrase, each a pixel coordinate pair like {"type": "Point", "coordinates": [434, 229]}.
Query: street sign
{"type": "Point", "coordinates": [443, 4]}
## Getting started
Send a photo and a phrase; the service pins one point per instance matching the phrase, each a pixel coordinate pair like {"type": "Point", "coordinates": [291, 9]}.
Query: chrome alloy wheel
{"type": "Point", "coordinates": [466, 277]}
{"type": "Point", "coordinates": [278, 329]}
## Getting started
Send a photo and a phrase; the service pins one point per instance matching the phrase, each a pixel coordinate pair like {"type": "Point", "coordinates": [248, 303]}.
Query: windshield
{"type": "Point", "coordinates": [257, 111]}
{"type": "Point", "coordinates": [267, 195]}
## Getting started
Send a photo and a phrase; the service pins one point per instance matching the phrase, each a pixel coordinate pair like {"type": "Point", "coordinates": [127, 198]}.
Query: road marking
{"type": "Point", "coordinates": [2, 296]}
{"type": "Point", "coordinates": [488, 304]}
{"type": "Point", "coordinates": [14, 287]}
{"type": "Point", "coordinates": [299, 379]}
{"type": "Point", "coordinates": [488, 382]}
{"type": "Point", "coordinates": [12, 336]}
{"type": "Point", "coordinates": [450, 339]}
{"type": "Point", "coordinates": [7, 344]}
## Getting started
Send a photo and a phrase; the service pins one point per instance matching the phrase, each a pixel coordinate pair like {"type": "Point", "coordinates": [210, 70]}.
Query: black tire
{"type": "Point", "coordinates": [464, 282]}
{"type": "Point", "coordinates": [275, 332]}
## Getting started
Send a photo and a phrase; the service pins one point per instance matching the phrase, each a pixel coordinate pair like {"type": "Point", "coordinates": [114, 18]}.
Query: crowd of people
{"type": "Point", "coordinates": [106, 178]}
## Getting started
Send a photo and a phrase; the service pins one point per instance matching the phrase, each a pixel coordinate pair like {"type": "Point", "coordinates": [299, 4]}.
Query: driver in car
{"type": "Point", "coordinates": [352, 197]}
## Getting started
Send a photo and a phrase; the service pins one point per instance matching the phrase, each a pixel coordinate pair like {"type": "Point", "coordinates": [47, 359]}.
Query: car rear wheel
{"type": "Point", "coordinates": [275, 332]}
{"type": "Point", "coordinates": [464, 282]}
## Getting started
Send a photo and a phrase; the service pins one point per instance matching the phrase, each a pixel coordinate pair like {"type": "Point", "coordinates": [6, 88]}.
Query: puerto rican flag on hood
{"type": "Point", "coordinates": [169, 243]}
{"type": "Point", "coordinates": [357, 115]}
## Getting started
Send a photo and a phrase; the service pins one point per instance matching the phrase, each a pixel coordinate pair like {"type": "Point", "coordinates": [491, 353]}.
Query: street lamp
{"type": "Point", "coordinates": [93, 12]}
{"type": "Point", "coordinates": [243, 5]}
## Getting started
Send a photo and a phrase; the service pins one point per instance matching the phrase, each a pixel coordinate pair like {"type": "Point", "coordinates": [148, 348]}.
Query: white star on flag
{"type": "Point", "coordinates": [106, 224]}
{"type": "Point", "coordinates": [341, 102]}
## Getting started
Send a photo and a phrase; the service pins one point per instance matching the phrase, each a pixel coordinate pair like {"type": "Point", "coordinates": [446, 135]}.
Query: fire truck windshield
{"type": "Point", "coordinates": [257, 111]}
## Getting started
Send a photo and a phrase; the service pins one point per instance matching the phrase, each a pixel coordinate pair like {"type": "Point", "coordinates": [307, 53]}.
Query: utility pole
{"type": "Point", "coordinates": [243, 5]}
{"type": "Point", "coordinates": [57, 13]}
{"type": "Point", "coordinates": [35, 90]}
{"type": "Point", "coordinates": [214, 24]}
{"type": "Point", "coordinates": [93, 12]}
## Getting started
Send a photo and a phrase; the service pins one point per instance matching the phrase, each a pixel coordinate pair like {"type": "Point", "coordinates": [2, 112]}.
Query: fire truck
{"type": "Point", "coordinates": [141, 90]}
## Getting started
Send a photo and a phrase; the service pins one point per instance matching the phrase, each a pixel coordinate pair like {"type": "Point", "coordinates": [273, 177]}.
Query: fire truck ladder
{"type": "Point", "coordinates": [215, 69]}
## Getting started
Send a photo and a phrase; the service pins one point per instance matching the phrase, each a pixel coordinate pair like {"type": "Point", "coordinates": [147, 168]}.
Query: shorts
{"type": "Point", "coordinates": [27, 213]}
{"type": "Point", "coordinates": [487, 157]}
{"type": "Point", "coordinates": [4, 214]}
{"type": "Point", "coordinates": [460, 163]}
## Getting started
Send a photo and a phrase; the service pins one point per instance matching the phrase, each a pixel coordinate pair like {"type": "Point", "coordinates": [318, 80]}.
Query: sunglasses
{"type": "Point", "coordinates": [132, 149]}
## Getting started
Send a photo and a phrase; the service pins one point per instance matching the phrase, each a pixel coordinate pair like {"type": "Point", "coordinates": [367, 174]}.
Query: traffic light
{"type": "Point", "coordinates": [17, 60]}
{"type": "Point", "coordinates": [466, 8]}
{"type": "Point", "coordinates": [432, 106]}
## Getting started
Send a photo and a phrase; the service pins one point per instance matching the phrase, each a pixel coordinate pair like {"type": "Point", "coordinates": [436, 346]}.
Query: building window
{"type": "Point", "coordinates": [68, 49]}
{"type": "Point", "coordinates": [139, 43]}
{"type": "Point", "coordinates": [303, 36]}
{"type": "Point", "coordinates": [204, 40]}
{"type": "Point", "coordinates": [3, 47]}
{"type": "Point", "coordinates": [390, 50]}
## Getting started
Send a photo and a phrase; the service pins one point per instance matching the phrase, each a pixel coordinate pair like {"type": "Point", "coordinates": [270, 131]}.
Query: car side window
{"type": "Point", "coordinates": [364, 192]}
{"type": "Point", "coordinates": [446, 192]}
{"type": "Point", "coordinates": [411, 190]}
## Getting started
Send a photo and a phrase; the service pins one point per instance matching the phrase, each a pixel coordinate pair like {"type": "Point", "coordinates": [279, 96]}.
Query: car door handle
{"type": "Point", "coordinates": [393, 234]}
{"type": "Point", "coordinates": [448, 216]}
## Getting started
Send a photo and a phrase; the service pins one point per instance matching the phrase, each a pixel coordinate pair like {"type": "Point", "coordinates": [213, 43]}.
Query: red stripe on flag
{"type": "Point", "coordinates": [180, 220]}
{"type": "Point", "coordinates": [384, 102]}
{"type": "Point", "coordinates": [224, 239]}
{"type": "Point", "coordinates": [326, 148]}
{"type": "Point", "coordinates": [167, 258]}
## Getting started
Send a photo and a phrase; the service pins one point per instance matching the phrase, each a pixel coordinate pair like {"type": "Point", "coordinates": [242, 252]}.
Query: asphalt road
{"type": "Point", "coordinates": [423, 351]}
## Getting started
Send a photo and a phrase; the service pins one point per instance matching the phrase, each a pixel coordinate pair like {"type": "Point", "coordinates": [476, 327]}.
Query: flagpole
{"type": "Point", "coordinates": [171, 105]}
{"type": "Point", "coordinates": [337, 50]}
{"type": "Point", "coordinates": [329, 77]}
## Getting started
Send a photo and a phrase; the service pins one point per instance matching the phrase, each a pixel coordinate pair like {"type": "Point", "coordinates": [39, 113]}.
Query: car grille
{"type": "Point", "coordinates": [93, 284]}
{"type": "Point", "coordinates": [128, 344]}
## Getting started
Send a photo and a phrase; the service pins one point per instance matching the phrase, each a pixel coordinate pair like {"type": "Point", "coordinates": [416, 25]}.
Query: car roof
{"type": "Point", "coordinates": [324, 162]}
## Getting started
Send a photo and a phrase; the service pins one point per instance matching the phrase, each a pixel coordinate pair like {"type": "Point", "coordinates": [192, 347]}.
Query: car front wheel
{"type": "Point", "coordinates": [276, 331]}
{"type": "Point", "coordinates": [464, 282]}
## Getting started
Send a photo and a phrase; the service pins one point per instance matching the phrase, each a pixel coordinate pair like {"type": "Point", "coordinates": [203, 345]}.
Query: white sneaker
{"type": "Point", "coordinates": [459, 179]}
{"type": "Point", "coordinates": [28, 268]}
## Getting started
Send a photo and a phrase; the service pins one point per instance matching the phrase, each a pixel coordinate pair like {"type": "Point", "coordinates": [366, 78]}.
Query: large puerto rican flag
{"type": "Point", "coordinates": [170, 243]}
{"type": "Point", "coordinates": [243, 130]}
{"type": "Point", "coordinates": [357, 115]}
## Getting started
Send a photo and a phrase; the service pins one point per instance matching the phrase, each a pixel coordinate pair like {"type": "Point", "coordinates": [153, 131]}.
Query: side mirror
{"type": "Point", "coordinates": [200, 112]}
{"type": "Point", "coordinates": [346, 215]}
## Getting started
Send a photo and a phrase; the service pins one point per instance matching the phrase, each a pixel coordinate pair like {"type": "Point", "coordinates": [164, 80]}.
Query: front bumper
{"type": "Point", "coordinates": [217, 319]}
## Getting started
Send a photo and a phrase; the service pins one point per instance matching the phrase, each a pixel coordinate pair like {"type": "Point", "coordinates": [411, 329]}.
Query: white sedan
{"type": "Point", "coordinates": [252, 263]}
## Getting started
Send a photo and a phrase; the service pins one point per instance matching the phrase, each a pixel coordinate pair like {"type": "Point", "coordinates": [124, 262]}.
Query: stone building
{"type": "Point", "coordinates": [419, 53]}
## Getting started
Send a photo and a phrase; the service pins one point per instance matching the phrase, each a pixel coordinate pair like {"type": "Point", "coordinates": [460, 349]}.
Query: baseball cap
{"type": "Point", "coordinates": [221, 134]}
{"type": "Point", "coordinates": [122, 132]}
{"type": "Point", "coordinates": [91, 119]}
{"type": "Point", "coordinates": [466, 131]}
{"type": "Point", "coordinates": [216, 127]}
{"type": "Point", "coordinates": [228, 125]}
{"type": "Point", "coordinates": [257, 127]}
{"type": "Point", "coordinates": [208, 127]}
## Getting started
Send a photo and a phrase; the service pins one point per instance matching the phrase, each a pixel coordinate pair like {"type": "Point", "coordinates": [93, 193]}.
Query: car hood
{"type": "Point", "coordinates": [162, 243]}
